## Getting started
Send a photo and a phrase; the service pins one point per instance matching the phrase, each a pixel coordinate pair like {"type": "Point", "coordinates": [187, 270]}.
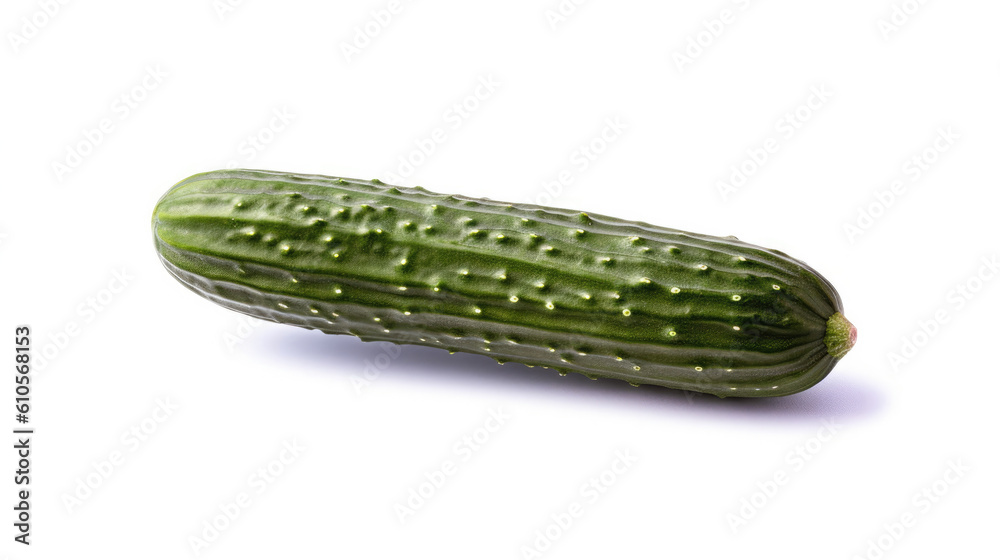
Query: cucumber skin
{"type": "Point", "coordinates": [541, 286]}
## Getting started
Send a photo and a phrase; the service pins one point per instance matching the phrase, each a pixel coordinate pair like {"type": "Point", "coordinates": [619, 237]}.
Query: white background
{"type": "Point", "coordinates": [702, 481]}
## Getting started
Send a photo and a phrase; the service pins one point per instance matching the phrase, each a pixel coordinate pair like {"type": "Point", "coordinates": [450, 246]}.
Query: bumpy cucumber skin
{"type": "Point", "coordinates": [542, 286]}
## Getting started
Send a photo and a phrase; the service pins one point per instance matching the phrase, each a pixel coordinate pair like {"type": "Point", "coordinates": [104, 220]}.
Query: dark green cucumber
{"type": "Point", "coordinates": [563, 289]}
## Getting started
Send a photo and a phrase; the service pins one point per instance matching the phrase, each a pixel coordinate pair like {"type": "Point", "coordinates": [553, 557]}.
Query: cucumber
{"type": "Point", "coordinates": [561, 289]}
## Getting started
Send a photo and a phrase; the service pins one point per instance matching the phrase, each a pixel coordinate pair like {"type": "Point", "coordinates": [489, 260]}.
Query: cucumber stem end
{"type": "Point", "coordinates": [840, 335]}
